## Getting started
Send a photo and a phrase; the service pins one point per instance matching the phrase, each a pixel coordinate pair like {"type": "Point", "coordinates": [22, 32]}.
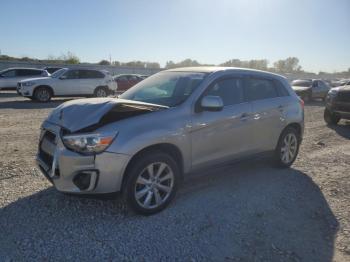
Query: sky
{"type": "Point", "coordinates": [315, 31]}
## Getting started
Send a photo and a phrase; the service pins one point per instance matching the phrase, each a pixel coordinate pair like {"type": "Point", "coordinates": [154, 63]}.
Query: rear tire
{"type": "Point", "coordinates": [330, 118]}
{"type": "Point", "coordinates": [151, 183]}
{"type": "Point", "coordinates": [101, 92]}
{"type": "Point", "coordinates": [287, 148]}
{"type": "Point", "coordinates": [42, 94]}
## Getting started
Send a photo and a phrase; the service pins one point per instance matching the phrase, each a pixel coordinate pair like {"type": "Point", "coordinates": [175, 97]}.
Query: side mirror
{"type": "Point", "coordinates": [212, 103]}
{"type": "Point", "coordinates": [63, 77]}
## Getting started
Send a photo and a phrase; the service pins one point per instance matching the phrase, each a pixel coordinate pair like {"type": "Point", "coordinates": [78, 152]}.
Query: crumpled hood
{"type": "Point", "coordinates": [78, 114]}
{"type": "Point", "coordinates": [300, 88]}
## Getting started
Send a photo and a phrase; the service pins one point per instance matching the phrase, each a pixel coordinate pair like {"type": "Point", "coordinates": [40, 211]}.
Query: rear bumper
{"type": "Point", "coordinates": [75, 173]}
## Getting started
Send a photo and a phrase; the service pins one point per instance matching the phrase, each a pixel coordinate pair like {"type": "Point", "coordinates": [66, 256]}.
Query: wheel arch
{"type": "Point", "coordinates": [167, 148]}
{"type": "Point", "coordinates": [296, 126]}
{"type": "Point", "coordinates": [45, 86]}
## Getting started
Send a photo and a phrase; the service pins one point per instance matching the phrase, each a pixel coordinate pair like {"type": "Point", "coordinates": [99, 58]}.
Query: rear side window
{"type": "Point", "coordinates": [28, 72]}
{"type": "Point", "coordinates": [122, 78]}
{"type": "Point", "coordinates": [258, 89]}
{"type": "Point", "coordinates": [281, 89]}
{"type": "Point", "coordinates": [230, 91]}
{"type": "Point", "coordinates": [90, 74]}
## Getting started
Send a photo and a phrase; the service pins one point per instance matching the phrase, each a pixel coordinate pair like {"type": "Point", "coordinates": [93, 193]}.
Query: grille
{"type": "Point", "coordinates": [44, 153]}
{"type": "Point", "coordinates": [343, 96]}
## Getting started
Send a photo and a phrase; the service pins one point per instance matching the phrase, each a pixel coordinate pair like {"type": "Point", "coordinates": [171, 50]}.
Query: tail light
{"type": "Point", "coordinates": [301, 101]}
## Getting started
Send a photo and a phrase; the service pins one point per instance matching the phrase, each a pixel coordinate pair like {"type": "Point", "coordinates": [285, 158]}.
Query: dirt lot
{"type": "Point", "coordinates": [241, 212]}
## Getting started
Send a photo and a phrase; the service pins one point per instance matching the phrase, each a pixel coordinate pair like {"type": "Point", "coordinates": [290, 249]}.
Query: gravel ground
{"type": "Point", "coordinates": [248, 211]}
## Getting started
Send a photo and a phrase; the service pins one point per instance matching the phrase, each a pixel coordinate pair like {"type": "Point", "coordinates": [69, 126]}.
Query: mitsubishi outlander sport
{"type": "Point", "coordinates": [176, 121]}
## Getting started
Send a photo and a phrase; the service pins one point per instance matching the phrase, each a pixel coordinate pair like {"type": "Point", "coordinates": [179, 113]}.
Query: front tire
{"type": "Point", "coordinates": [42, 94]}
{"type": "Point", "coordinates": [151, 183]}
{"type": "Point", "coordinates": [287, 148]}
{"type": "Point", "coordinates": [330, 118]}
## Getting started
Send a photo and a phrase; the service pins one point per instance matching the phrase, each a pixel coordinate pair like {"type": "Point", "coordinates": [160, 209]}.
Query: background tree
{"type": "Point", "coordinates": [289, 65]}
{"type": "Point", "coordinates": [104, 62]}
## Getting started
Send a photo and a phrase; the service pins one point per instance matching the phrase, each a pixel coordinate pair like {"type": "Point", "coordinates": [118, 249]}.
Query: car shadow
{"type": "Point", "coordinates": [247, 211]}
{"type": "Point", "coordinates": [315, 103]}
{"type": "Point", "coordinates": [8, 94]}
{"type": "Point", "coordinates": [29, 104]}
{"type": "Point", "coordinates": [342, 129]}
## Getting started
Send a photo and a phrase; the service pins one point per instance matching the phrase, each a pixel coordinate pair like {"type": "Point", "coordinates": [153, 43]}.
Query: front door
{"type": "Point", "coordinates": [68, 83]}
{"type": "Point", "coordinates": [226, 134]}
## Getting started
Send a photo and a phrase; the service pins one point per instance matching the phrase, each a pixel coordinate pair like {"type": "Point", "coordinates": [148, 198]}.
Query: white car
{"type": "Point", "coordinates": [11, 76]}
{"type": "Point", "coordinates": [68, 82]}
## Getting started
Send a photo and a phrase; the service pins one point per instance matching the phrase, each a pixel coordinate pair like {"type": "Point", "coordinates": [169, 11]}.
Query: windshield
{"type": "Point", "coordinates": [302, 83]}
{"type": "Point", "coordinates": [165, 88]}
{"type": "Point", "coordinates": [58, 73]}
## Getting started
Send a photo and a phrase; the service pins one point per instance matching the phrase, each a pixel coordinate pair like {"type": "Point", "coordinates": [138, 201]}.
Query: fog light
{"type": "Point", "coordinates": [85, 180]}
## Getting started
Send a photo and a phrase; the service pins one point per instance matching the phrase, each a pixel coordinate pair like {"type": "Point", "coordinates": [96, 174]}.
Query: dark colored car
{"type": "Point", "coordinates": [310, 89]}
{"type": "Point", "coordinates": [337, 105]}
{"type": "Point", "coordinates": [126, 81]}
{"type": "Point", "coordinates": [52, 70]}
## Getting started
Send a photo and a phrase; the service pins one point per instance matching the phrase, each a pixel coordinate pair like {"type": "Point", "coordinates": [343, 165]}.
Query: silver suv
{"type": "Point", "coordinates": [176, 121]}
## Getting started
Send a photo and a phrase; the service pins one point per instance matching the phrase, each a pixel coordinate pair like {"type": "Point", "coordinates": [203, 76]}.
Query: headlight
{"type": "Point", "coordinates": [333, 92]}
{"type": "Point", "coordinates": [88, 143]}
{"type": "Point", "coordinates": [29, 83]}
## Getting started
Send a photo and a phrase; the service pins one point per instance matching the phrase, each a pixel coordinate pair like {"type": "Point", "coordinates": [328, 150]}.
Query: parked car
{"type": "Point", "coordinates": [68, 82]}
{"type": "Point", "coordinates": [174, 122]}
{"type": "Point", "coordinates": [11, 76]}
{"type": "Point", "coordinates": [126, 81]}
{"type": "Point", "coordinates": [337, 105]}
{"type": "Point", "coordinates": [310, 89]}
{"type": "Point", "coordinates": [52, 70]}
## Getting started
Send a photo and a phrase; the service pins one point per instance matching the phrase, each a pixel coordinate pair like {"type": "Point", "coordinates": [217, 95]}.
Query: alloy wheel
{"type": "Point", "coordinates": [289, 148]}
{"type": "Point", "coordinates": [154, 185]}
{"type": "Point", "coordinates": [43, 95]}
{"type": "Point", "coordinates": [101, 92]}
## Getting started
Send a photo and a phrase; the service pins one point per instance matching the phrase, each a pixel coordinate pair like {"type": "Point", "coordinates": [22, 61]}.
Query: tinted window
{"type": "Point", "coordinates": [10, 73]}
{"type": "Point", "coordinates": [230, 91]}
{"type": "Point", "coordinates": [28, 72]}
{"type": "Point", "coordinates": [90, 74]}
{"type": "Point", "coordinates": [72, 74]}
{"type": "Point", "coordinates": [281, 89]}
{"type": "Point", "coordinates": [257, 89]}
{"type": "Point", "coordinates": [122, 78]}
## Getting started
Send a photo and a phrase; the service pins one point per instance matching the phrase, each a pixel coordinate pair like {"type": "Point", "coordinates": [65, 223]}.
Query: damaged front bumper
{"type": "Point", "coordinates": [72, 172]}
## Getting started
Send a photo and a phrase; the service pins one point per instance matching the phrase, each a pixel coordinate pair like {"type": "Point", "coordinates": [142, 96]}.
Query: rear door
{"type": "Point", "coordinates": [226, 134]}
{"type": "Point", "coordinates": [268, 107]}
{"type": "Point", "coordinates": [88, 81]}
